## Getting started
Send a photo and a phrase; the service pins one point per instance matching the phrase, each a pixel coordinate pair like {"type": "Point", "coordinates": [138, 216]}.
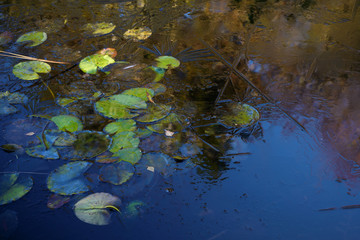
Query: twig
{"type": "Point", "coordinates": [244, 78]}
{"type": "Point", "coordinates": [15, 55]}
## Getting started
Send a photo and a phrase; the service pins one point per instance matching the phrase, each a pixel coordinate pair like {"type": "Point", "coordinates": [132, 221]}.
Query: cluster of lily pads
{"type": "Point", "coordinates": [134, 115]}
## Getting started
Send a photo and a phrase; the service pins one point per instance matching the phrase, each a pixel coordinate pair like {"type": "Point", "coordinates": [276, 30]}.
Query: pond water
{"type": "Point", "coordinates": [292, 174]}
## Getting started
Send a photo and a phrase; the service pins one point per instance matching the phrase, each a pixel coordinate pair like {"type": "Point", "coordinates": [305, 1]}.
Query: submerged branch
{"type": "Point", "coordinates": [15, 55]}
{"type": "Point", "coordinates": [244, 78]}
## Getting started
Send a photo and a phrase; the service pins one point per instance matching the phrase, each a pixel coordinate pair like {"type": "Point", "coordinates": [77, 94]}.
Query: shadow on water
{"type": "Point", "coordinates": [269, 180]}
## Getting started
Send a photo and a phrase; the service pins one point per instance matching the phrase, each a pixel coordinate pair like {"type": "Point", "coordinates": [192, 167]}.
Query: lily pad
{"type": "Point", "coordinates": [120, 126]}
{"type": "Point", "coordinates": [6, 108]}
{"type": "Point", "coordinates": [92, 63]}
{"type": "Point", "coordinates": [124, 140]}
{"type": "Point", "coordinates": [143, 132]}
{"type": "Point", "coordinates": [63, 102]}
{"type": "Point", "coordinates": [118, 173]}
{"type": "Point", "coordinates": [11, 147]}
{"type": "Point", "coordinates": [167, 62]}
{"type": "Point", "coordinates": [129, 101]}
{"type": "Point", "coordinates": [142, 93]}
{"type": "Point", "coordinates": [98, 29]}
{"type": "Point", "coordinates": [34, 38]}
{"type": "Point", "coordinates": [241, 115]}
{"type": "Point", "coordinates": [158, 88]}
{"type": "Point", "coordinates": [113, 109]}
{"type": "Point", "coordinates": [68, 179]}
{"type": "Point", "coordinates": [133, 209]}
{"type": "Point", "coordinates": [14, 98]}
{"type": "Point", "coordinates": [106, 157]}
{"type": "Point", "coordinates": [95, 208]}
{"type": "Point", "coordinates": [131, 155]}
{"type": "Point", "coordinates": [13, 187]}
{"type": "Point", "coordinates": [171, 123]}
{"type": "Point", "coordinates": [29, 70]}
{"type": "Point", "coordinates": [40, 151]}
{"type": "Point", "coordinates": [155, 113]}
{"type": "Point", "coordinates": [159, 162]}
{"type": "Point", "coordinates": [89, 144]}
{"type": "Point", "coordinates": [67, 123]}
{"type": "Point", "coordinates": [56, 201]}
{"type": "Point", "coordinates": [138, 34]}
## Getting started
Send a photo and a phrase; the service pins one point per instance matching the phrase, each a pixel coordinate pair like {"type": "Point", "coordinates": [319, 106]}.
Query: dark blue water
{"type": "Point", "coordinates": [273, 184]}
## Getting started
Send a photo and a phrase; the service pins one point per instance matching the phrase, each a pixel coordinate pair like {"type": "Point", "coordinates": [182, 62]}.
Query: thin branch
{"type": "Point", "coordinates": [15, 55]}
{"type": "Point", "coordinates": [245, 79]}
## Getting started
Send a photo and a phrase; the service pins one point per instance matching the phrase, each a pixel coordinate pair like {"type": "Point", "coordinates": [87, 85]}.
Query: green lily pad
{"type": "Point", "coordinates": [171, 123]}
{"type": "Point", "coordinates": [120, 126]}
{"type": "Point", "coordinates": [6, 108]}
{"type": "Point", "coordinates": [113, 109]}
{"type": "Point", "coordinates": [167, 62]}
{"type": "Point", "coordinates": [92, 63]}
{"type": "Point", "coordinates": [131, 155]}
{"type": "Point", "coordinates": [129, 101]}
{"type": "Point", "coordinates": [14, 98]}
{"type": "Point", "coordinates": [138, 34]}
{"type": "Point", "coordinates": [13, 187]}
{"type": "Point", "coordinates": [40, 151]}
{"type": "Point", "coordinates": [142, 93]}
{"type": "Point", "coordinates": [89, 144]}
{"type": "Point", "coordinates": [29, 70]}
{"type": "Point", "coordinates": [68, 179]}
{"type": "Point", "coordinates": [65, 139]}
{"type": "Point", "coordinates": [117, 173]}
{"type": "Point", "coordinates": [155, 113]}
{"type": "Point", "coordinates": [241, 115]}
{"type": "Point", "coordinates": [67, 123]}
{"type": "Point", "coordinates": [34, 38]}
{"type": "Point", "coordinates": [98, 29]}
{"type": "Point", "coordinates": [124, 140]}
{"type": "Point", "coordinates": [133, 209]}
{"type": "Point", "coordinates": [95, 208]}
{"type": "Point", "coordinates": [159, 162]}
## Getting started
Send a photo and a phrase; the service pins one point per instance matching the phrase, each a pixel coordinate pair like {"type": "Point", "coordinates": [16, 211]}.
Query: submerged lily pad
{"type": "Point", "coordinates": [13, 187]}
{"type": "Point", "coordinates": [57, 201]}
{"type": "Point", "coordinates": [95, 208]}
{"type": "Point", "coordinates": [171, 123]}
{"type": "Point", "coordinates": [133, 209]}
{"type": "Point", "coordinates": [124, 140]}
{"type": "Point", "coordinates": [167, 62]}
{"type": "Point", "coordinates": [159, 162]}
{"type": "Point", "coordinates": [6, 108]}
{"type": "Point", "coordinates": [138, 34]}
{"type": "Point", "coordinates": [142, 93]}
{"type": "Point", "coordinates": [11, 147]}
{"type": "Point", "coordinates": [68, 179]}
{"type": "Point", "coordinates": [29, 70]}
{"type": "Point", "coordinates": [63, 102]}
{"type": "Point", "coordinates": [34, 38]}
{"type": "Point", "coordinates": [158, 88]}
{"type": "Point", "coordinates": [92, 63]}
{"type": "Point", "coordinates": [98, 29]}
{"type": "Point", "coordinates": [113, 109]}
{"type": "Point", "coordinates": [14, 98]}
{"type": "Point", "coordinates": [120, 126]}
{"type": "Point", "coordinates": [131, 155]}
{"type": "Point", "coordinates": [89, 144]}
{"type": "Point", "coordinates": [67, 123]}
{"type": "Point", "coordinates": [118, 173]}
{"type": "Point", "coordinates": [241, 115]}
{"type": "Point", "coordinates": [40, 151]}
{"type": "Point", "coordinates": [155, 113]}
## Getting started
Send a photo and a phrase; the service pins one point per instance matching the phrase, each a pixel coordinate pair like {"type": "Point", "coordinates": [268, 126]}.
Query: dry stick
{"type": "Point", "coordinates": [244, 78]}
{"type": "Point", "coordinates": [15, 55]}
